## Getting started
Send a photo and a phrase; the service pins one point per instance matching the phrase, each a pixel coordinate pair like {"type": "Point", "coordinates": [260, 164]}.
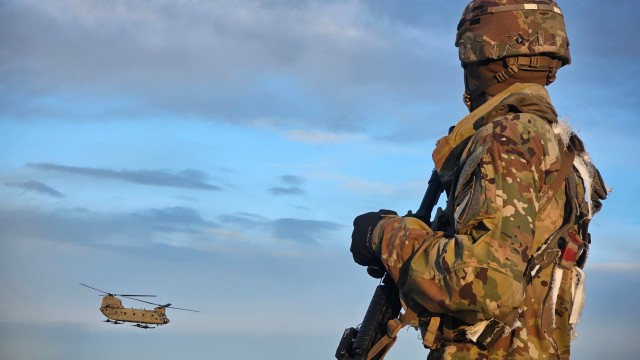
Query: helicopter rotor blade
{"type": "Point", "coordinates": [108, 293]}
{"type": "Point", "coordinates": [104, 292]}
{"type": "Point", "coordinates": [177, 308]}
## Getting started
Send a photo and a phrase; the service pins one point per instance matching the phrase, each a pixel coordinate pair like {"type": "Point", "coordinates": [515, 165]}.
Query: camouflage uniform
{"type": "Point", "coordinates": [494, 265]}
{"type": "Point", "coordinates": [498, 275]}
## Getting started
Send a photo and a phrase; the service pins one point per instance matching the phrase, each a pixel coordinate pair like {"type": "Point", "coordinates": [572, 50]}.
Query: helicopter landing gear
{"type": "Point", "coordinates": [144, 326]}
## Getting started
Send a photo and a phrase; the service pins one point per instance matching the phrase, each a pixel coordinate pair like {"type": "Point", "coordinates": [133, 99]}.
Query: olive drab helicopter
{"type": "Point", "coordinates": [117, 314]}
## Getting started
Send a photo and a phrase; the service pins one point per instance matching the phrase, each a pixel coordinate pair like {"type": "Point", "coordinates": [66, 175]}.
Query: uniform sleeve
{"type": "Point", "coordinates": [478, 273]}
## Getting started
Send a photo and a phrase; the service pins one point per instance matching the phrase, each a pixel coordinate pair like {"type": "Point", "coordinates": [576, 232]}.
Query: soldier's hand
{"type": "Point", "coordinates": [363, 226]}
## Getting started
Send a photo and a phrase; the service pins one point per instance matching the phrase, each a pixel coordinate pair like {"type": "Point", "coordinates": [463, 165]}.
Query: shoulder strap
{"type": "Point", "coordinates": [465, 127]}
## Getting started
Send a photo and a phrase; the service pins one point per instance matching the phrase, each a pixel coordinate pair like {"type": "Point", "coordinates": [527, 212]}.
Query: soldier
{"type": "Point", "coordinates": [498, 274]}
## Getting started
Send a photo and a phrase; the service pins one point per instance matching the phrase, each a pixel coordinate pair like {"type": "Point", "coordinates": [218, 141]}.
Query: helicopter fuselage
{"type": "Point", "coordinates": [112, 308]}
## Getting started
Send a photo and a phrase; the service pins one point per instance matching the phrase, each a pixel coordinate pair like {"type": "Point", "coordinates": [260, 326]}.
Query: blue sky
{"type": "Point", "coordinates": [214, 154]}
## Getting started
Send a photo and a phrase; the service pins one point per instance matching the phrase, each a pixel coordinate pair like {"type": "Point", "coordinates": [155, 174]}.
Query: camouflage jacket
{"type": "Point", "coordinates": [477, 273]}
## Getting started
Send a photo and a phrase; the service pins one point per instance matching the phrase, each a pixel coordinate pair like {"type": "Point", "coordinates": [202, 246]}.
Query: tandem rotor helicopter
{"type": "Point", "coordinates": [116, 314]}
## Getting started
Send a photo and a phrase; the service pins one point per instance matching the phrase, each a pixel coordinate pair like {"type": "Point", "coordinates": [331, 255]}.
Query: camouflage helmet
{"type": "Point", "coordinates": [496, 29]}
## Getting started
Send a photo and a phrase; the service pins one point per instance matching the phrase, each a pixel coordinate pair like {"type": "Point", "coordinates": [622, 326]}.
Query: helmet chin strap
{"type": "Point", "coordinates": [512, 66]}
{"type": "Point", "coordinates": [466, 98]}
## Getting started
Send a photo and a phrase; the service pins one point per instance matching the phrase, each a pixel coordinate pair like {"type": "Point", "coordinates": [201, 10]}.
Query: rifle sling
{"type": "Point", "coordinates": [393, 327]}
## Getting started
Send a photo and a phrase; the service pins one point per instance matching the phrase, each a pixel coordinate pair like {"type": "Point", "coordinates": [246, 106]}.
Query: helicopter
{"type": "Point", "coordinates": [116, 314]}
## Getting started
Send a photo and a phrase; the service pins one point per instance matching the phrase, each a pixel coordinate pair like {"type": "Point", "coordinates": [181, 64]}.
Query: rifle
{"type": "Point", "coordinates": [430, 199]}
{"type": "Point", "coordinates": [357, 343]}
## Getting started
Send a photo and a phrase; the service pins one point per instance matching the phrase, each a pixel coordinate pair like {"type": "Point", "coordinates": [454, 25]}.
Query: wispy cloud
{"type": "Point", "coordinates": [300, 231]}
{"type": "Point", "coordinates": [292, 179]}
{"type": "Point", "coordinates": [35, 186]}
{"type": "Point", "coordinates": [176, 219]}
{"type": "Point", "coordinates": [187, 179]}
{"type": "Point", "coordinates": [318, 137]}
{"type": "Point", "coordinates": [290, 190]}
{"type": "Point", "coordinates": [291, 187]}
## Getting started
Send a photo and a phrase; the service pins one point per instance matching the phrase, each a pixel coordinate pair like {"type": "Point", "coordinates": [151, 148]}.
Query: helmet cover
{"type": "Point", "coordinates": [495, 29]}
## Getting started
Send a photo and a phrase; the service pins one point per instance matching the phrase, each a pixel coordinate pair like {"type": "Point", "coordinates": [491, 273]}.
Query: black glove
{"type": "Point", "coordinates": [363, 226]}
